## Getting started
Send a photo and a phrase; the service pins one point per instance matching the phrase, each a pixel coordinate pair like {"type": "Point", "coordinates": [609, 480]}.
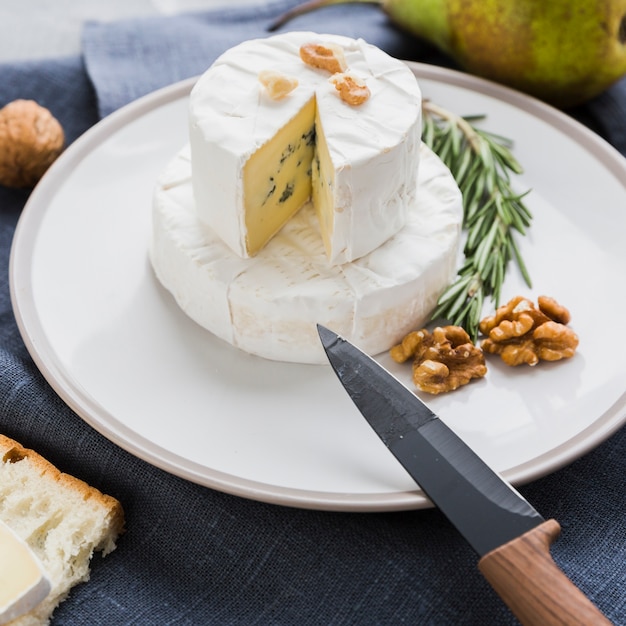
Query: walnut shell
{"type": "Point", "coordinates": [31, 138]}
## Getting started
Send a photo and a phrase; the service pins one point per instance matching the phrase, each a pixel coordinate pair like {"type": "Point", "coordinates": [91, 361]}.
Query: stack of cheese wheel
{"type": "Point", "coordinates": [283, 213]}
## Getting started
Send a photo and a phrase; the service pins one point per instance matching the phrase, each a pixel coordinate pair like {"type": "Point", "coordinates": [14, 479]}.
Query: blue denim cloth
{"type": "Point", "coordinates": [193, 556]}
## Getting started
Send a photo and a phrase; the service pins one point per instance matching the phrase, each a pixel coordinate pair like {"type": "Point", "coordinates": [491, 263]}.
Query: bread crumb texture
{"type": "Point", "coordinates": [63, 520]}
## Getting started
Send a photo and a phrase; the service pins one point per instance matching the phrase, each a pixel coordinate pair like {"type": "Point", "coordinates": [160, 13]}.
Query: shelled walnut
{"type": "Point", "coordinates": [352, 89]}
{"type": "Point", "coordinates": [327, 57]}
{"type": "Point", "coordinates": [276, 84]}
{"type": "Point", "coordinates": [442, 360]}
{"type": "Point", "coordinates": [30, 140]}
{"type": "Point", "coordinates": [521, 332]}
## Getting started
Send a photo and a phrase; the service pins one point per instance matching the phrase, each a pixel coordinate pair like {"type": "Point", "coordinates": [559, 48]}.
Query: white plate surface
{"type": "Point", "coordinates": [116, 348]}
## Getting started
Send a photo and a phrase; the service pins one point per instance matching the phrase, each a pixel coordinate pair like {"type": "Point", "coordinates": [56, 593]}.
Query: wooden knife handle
{"type": "Point", "coordinates": [524, 575]}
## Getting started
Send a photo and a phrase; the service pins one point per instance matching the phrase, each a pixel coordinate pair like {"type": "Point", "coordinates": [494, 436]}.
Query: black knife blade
{"type": "Point", "coordinates": [511, 538]}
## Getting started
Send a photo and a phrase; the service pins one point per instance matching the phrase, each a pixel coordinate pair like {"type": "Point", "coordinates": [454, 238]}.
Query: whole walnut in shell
{"type": "Point", "coordinates": [31, 138]}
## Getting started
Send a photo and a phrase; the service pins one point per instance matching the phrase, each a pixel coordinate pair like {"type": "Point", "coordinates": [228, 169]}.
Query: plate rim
{"type": "Point", "coordinates": [135, 443]}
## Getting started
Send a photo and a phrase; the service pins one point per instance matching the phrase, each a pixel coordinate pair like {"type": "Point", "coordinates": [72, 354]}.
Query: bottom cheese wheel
{"type": "Point", "coordinates": [270, 305]}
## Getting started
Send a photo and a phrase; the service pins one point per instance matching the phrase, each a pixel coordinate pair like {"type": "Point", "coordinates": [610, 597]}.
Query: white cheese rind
{"type": "Point", "coordinates": [269, 305]}
{"type": "Point", "coordinates": [374, 147]}
{"type": "Point", "coordinates": [23, 582]}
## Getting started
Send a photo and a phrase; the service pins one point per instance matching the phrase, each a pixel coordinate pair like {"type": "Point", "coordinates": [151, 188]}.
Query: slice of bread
{"type": "Point", "coordinates": [63, 520]}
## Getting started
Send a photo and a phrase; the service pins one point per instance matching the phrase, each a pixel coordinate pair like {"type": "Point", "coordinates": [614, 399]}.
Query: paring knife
{"type": "Point", "coordinates": [512, 540]}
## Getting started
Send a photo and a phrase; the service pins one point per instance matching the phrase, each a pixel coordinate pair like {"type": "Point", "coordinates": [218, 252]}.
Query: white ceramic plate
{"type": "Point", "coordinates": [117, 349]}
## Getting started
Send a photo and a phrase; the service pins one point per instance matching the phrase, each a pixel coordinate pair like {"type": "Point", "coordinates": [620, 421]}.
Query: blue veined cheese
{"type": "Point", "coordinates": [23, 583]}
{"type": "Point", "coordinates": [269, 304]}
{"type": "Point", "coordinates": [256, 161]}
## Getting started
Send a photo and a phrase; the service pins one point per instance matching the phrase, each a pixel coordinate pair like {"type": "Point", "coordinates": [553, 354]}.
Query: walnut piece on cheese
{"type": "Point", "coordinates": [276, 84]}
{"type": "Point", "coordinates": [352, 89]}
{"type": "Point", "coordinates": [330, 57]}
{"type": "Point", "coordinates": [327, 56]}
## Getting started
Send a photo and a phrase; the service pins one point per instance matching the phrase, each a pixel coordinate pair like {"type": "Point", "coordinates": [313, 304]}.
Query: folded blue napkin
{"type": "Point", "coordinates": [194, 556]}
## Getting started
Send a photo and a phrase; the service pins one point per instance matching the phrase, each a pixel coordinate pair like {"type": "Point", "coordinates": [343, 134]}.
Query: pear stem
{"type": "Point", "coordinates": [313, 5]}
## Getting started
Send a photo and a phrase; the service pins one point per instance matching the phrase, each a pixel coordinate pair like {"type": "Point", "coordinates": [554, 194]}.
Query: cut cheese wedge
{"type": "Point", "coordinates": [256, 160]}
{"type": "Point", "coordinates": [269, 305]}
{"type": "Point", "coordinates": [23, 582]}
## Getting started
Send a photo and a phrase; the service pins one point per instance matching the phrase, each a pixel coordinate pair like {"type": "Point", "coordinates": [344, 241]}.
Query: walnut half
{"type": "Point", "coordinates": [443, 360]}
{"type": "Point", "coordinates": [276, 84]}
{"type": "Point", "coordinates": [352, 89]}
{"type": "Point", "coordinates": [522, 333]}
{"type": "Point", "coordinates": [327, 57]}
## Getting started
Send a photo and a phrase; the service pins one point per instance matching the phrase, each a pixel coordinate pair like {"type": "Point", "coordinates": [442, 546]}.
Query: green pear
{"type": "Point", "coordinates": [562, 51]}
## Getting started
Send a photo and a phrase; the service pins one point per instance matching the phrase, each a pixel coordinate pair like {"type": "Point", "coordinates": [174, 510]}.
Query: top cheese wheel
{"type": "Point", "coordinates": [257, 160]}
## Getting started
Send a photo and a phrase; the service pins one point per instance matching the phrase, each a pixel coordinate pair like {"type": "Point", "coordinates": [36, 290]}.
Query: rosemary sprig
{"type": "Point", "coordinates": [481, 163]}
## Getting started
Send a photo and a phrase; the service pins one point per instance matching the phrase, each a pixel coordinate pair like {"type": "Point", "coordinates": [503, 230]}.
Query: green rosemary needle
{"type": "Point", "coordinates": [481, 163]}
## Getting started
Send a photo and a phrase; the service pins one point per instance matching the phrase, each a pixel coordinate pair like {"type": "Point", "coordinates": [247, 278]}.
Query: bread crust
{"type": "Point", "coordinates": [13, 452]}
